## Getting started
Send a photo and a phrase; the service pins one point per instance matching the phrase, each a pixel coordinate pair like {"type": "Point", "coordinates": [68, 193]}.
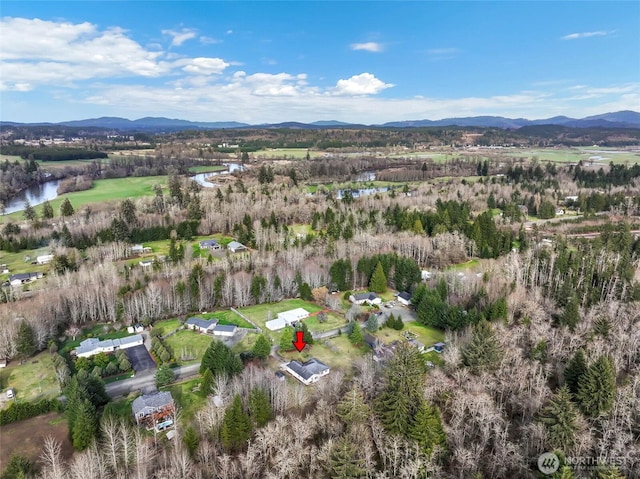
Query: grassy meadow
{"type": "Point", "coordinates": [33, 380]}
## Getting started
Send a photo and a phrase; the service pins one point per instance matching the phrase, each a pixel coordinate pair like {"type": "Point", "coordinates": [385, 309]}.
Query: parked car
{"type": "Point", "coordinates": [10, 393]}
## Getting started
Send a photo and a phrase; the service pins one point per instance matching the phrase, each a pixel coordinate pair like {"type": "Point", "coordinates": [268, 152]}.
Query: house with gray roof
{"type": "Point", "coordinates": [234, 247]}
{"type": "Point", "coordinates": [309, 372]}
{"type": "Point", "coordinates": [154, 410]}
{"type": "Point", "coordinates": [23, 278]}
{"type": "Point", "coordinates": [225, 330]}
{"type": "Point", "coordinates": [209, 244]}
{"type": "Point", "coordinates": [368, 298]}
{"type": "Point", "coordinates": [201, 325]}
{"type": "Point", "coordinates": [92, 346]}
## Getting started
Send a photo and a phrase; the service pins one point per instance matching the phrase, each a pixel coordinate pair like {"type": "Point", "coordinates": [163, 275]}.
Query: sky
{"type": "Point", "coordinates": [364, 62]}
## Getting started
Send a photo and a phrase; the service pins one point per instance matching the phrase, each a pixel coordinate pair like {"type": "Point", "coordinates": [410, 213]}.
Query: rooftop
{"type": "Point", "coordinates": [202, 323]}
{"type": "Point", "coordinates": [157, 400]}
{"type": "Point", "coordinates": [308, 369]}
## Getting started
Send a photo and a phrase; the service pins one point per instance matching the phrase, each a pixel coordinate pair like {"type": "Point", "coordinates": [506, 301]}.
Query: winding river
{"type": "Point", "coordinates": [38, 194]}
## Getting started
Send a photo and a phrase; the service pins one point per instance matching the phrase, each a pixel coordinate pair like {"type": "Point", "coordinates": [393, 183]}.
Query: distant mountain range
{"type": "Point", "coordinates": [619, 119]}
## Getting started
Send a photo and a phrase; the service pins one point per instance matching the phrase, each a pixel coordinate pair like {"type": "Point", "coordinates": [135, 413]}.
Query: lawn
{"type": "Point", "coordinates": [103, 191]}
{"type": "Point", "coordinates": [167, 326]}
{"type": "Point", "coordinates": [20, 262]}
{"type": "Point", "coordinates": [121, 408]}
{"type": "Point", "coordinates": [227, 317]}
{"type": "Point", "coordinates": [259, 313]}
{"type": "Point", "coordinates": [207, 169]}
{"type": "Point", "coordinates": [189, 343]}
{"type": "Point", "coordinates": [286, 153]}
{"type": "Point", "coordinates": [186, 397]}
{"type": "Point", "coordinates": [426, 335]}
{"type": "Point", "coordinates": [333, 322]}
{"type": "Point", "coordinates": [161, 247]}
{"type": "Point", "coordinates": [33, 380]}
{"type": "Point", "coordinates": [466, 265]}
{"type": "Point", "coordinates": [574, 155]}
{"type": "Point", "coordinates": [336, 352]}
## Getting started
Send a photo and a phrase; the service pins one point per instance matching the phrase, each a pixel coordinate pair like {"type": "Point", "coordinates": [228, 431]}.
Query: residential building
{"type": "Point", "coordinates": [201, 325]}
{"type": "Point", "coordinates": [234, 247]}
{"type": "Point", "coordinates": [45, 259]}
{"type": "Point", "coordinates": [225, 330]}
{"type": "Point", "coordinates": [24, 278]}
{"type": "Point", "coordinates": [92, 346]}
{"type": "Point", "coordinates": [365, 298]}
{"type": "Point", "coordinates": [287, 318]}
{"type": "Point", "coordinates": [210, 244]}
{"type": "Point", "coordinates": [136, 328]}
{"type": "Point", "coordinates": [137, 249]}
{"type": "Point", "coordinates": [309, 372]}
{"type": "Point", "coordinates": [154, 410]}
{"type": "Point", "coordinates": [404, 298]}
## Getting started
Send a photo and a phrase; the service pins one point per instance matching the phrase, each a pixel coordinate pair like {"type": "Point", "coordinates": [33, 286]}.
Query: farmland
{"type": "Point", "coordinates": [33, 380]}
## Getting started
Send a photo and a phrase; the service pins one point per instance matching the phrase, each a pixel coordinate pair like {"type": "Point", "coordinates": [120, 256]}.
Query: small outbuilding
{"type": "Point", "coordinates": [227, 330]}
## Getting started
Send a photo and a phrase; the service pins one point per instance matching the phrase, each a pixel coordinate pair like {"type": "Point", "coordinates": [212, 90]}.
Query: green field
{"type": "Point", "coordinates": [286, 153]}
{"type": "Point", "coordinates": [227, 317]}
{"type": "Point", "coordinates": [167, 326]}
{"type": "Point", "coordinates": [188, 401]}
{"type": "Point", "coordinates": [103, 191]}
{"type": "Point", "coordinates": [258, 313]}
{"type": "Point", "coordinates": [33, 380]}
{"type": "Point", "coordinates": [207, 169]}
{"type": "Point", "coordinates": [426, 335]}
{"type": "Point", "coordinates": [189, 343]}
{"type": "Point", "coordinates": [574, 155]}
{"type": "Point", "coordinates": [21, 262]}
{"type": "Point", "coordinates": [336, 352]}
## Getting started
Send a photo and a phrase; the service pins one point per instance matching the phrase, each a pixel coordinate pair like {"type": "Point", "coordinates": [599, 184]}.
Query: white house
{"type": "Point", "coordinates": [45, 258]}
{"type": "Point", "coordinates": [209, 244]}
{"type": "Point", "coordinates": [23, 278]}
{"type": "Point", "coordinates": [234, 247]}
{"type": "Point", "coordinates": [227, 330]}
{"type": "Point", "coordinates": [309, 372]}
{"type": "Point", "coordinates": [201, 325]}
{"type": "Point", "coordinates": [92, 346]}
{"type": "Point", "coordinates": [286, 318]}
{"type": "Point", "coordinates": [426, 275]}
{"type": "Point", "coordinates": [368, 298]}
{"type": "Point", "coordinates": [154, 410]}
{"type": "Point", "coordinates": [136, 328]}
{"type": "Point", "coordinates": [404, 298]}
{"type": "Point", "coordinates": [137, 249]}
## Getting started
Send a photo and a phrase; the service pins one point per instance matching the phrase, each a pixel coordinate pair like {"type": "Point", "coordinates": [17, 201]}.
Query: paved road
{"type": "Point", "coordinates": [146, 381]}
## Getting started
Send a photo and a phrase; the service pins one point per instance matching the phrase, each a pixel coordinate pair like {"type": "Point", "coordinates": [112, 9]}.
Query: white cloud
{"type": "Point", "coordinates": [368, 47]}
{"type": "Point", "coordinates": [442, 51]}
{"type": "Point", "coordinates": [209, 40]}
{"type": "Point", "coordinates": [204, 66]}
{"type": "Point", "coordinates": [179, 37]}
{"type": "Point", "coordinates": [575, 36]}
{"type": "Point", "coordinates": [363, 84]}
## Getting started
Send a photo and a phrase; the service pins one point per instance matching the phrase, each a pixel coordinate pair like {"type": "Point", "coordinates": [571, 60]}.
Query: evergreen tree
{"type": "Point", "coordinates": [220, 360]}
{"type": "Point", "coordinates": [484, 352]}
{"type": "Point", "coordinates": [262, 348]}
{"type": "Point", "coordinates": [611, 472]}
{"type": "Point", "coordinates": [85, 426]}
{"type": "Point", "coordinates": [47, 210]}
{"type": "Point", "coordinates": [236, 426]}
{"type": "Point", "coordinates": [128, 212]}
{"type": "Point", "coordinates": [576, 367]}
{"type": "Point", "coordinates": [29, 213]}
{"type": "Point", "coordinates": [352, 408]}
{"type": "Point", "coordinates": [286, 339]}
{"type": "Point", "coordinates": [378, 283]}
{"type": "Point", "coordinates": [597, 387]}
{"type": "Point", "coordinates": [345, 462]}
{"type": "Point", "coordinates": [565, 472]}
{"type": "Point", "coordinates": [427, 430]}
{"type": "Point", "coordinates": [66, 208]}
{"type": "Point", "coordinates": [164, 376]}
{"type": "Point", "coordinates": [561, 420]}
{"type": "Point", "coordinates": [306, 334]}
{"type": "Point", "coordinates": [305, 292]}
{"type": "Point", "coordinates": [260, 407]}
{"type": "Point", "coordinates": [26, 341]}
{"type": "Point", "coordinates": [372, 323]}
{"type": "Point", "coordinates": [402, 394]}
{"type": "Point", "coordinates": [571, 314]}
{"type": "Point", "coordinates": [191, 440]}
{"type": "Point", "coordinates": [356, 337]}
{"type": "Point", "coordinates": [206, 383]}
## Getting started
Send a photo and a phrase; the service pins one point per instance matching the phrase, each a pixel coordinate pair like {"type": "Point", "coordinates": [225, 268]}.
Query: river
{"type": "Point", "coordinates": [48, 191]}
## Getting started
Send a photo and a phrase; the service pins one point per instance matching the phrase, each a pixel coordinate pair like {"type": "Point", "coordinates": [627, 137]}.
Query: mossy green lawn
{"type": "Point", "coordinates": [33, 380]}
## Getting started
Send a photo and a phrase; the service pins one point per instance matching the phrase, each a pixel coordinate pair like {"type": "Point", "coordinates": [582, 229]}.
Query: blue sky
{"type": "Point", "coordinates": [366, 62]}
